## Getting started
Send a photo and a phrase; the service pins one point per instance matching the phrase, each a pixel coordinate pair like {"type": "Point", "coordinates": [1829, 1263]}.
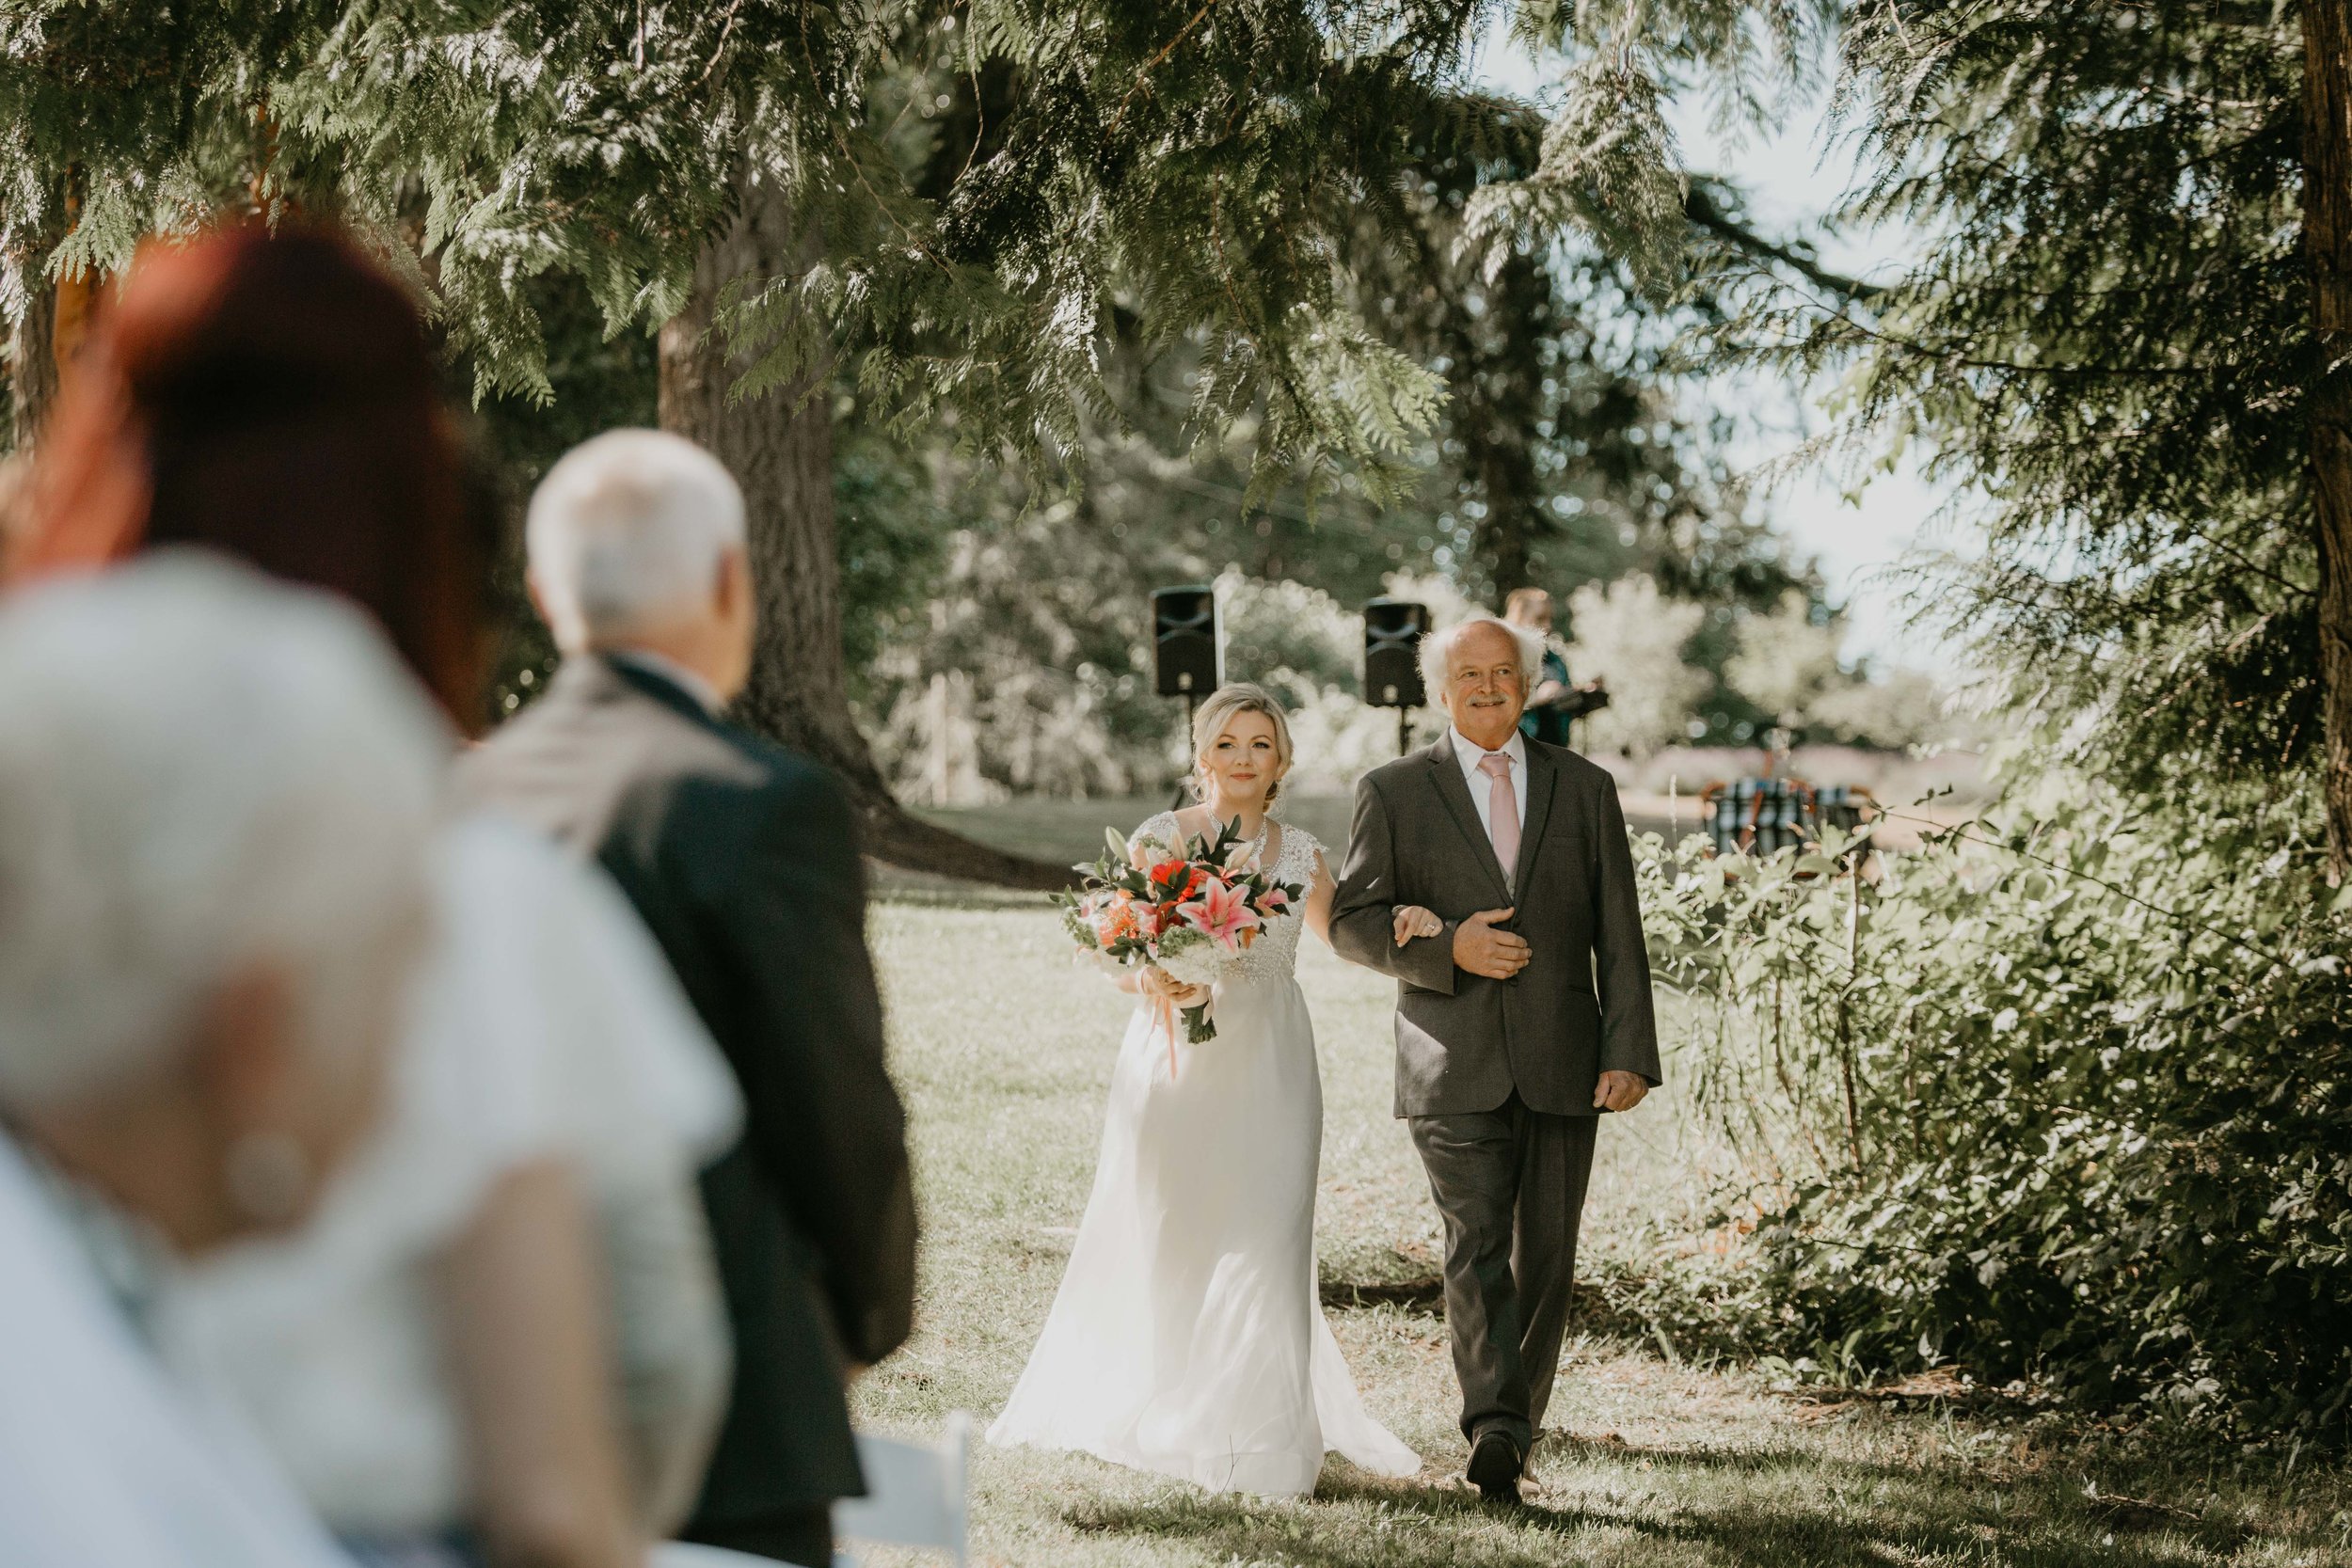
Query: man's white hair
{"type": "Point", "coordinates": [626, 532]}
{"type": "Point", "coordinates": [1437, 652]}
{"type": "Point", "coordinates": [199, 770]}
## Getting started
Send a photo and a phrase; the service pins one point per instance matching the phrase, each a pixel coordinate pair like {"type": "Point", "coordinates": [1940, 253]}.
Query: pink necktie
{"type": "Point", "coordinates": [1502, 812]}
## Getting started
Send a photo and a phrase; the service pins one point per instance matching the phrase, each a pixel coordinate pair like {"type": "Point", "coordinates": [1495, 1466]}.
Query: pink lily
{"type": "Point", "coordinates": [1223, 913]}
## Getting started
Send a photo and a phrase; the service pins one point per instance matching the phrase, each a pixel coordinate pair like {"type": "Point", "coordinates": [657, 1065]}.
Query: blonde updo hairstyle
{"type": "Point", "coordinates": [1225, 704]}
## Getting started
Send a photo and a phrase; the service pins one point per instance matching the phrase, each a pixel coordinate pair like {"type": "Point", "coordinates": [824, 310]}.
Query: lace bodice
{"type": "Point", "coordinates": [1275, 955]}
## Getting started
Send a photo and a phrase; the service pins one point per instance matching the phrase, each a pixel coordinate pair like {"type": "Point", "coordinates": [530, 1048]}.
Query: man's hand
{"type": "Point", "coordinates": [1480, 949]}
{"type": "Point", "coordinates": [1619, 1091]}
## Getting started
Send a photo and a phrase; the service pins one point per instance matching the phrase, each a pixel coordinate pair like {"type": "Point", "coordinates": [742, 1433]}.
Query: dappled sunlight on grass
{"type": "Point", "coordinates": [1004, 1048]}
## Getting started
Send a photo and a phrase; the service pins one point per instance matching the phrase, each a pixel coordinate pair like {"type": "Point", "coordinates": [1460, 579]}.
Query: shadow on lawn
{"type": "Point", "coordinates": [1598, 1309]}
{"type": "Point", "coordinates": [1736, 1508]}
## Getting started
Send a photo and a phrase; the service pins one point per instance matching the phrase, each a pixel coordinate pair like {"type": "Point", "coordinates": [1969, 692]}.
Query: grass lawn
{"type": "Point", "coordinates": [1004, 1050]}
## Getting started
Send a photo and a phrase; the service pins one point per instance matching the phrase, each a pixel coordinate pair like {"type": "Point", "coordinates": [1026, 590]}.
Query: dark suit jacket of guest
{"type": "Point", "coordinates": [742, 860]}
{"type": "Point", "coordinates": [1581, 1007]}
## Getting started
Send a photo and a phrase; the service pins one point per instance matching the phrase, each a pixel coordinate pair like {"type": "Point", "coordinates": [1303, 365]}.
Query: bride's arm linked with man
{"type": "Point", "coordinates": [1490, 876]}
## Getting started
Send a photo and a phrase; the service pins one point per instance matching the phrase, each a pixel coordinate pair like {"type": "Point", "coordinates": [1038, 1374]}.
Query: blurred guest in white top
{"type": "Point", "coordinates": [502, 1336]}
{"type": "Point", "coordinates": [216, 801]}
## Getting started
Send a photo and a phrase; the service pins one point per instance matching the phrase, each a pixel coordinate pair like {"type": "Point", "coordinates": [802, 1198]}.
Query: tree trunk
{"type": "Point", "coordinates": [1496, 381]}
{"type": "Point", "coordinates": [779, 447]}
{"type": "Point", "coordinates": [2327, 242]}
{"type": "Point", "coordinates": [33, 366]}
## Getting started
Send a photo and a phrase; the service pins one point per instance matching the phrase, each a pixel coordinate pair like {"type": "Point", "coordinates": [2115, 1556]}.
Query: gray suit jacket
{"type": "Point", "coordinates": [1581, 1007]}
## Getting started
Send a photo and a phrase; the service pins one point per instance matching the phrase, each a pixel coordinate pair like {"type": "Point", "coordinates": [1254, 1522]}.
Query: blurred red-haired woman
{"type": "Point", "coordinates": [272, 397]}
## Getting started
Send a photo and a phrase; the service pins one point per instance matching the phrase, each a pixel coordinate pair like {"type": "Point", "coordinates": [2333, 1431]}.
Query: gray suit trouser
{"type": "Point", "coordinates": [1510, 1184]}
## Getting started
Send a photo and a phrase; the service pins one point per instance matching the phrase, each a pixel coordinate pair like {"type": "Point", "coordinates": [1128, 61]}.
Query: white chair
{"type": "Point", "coordinates": [914, 1496]}
{"type": "Point", "coordinates": [687, 1554]}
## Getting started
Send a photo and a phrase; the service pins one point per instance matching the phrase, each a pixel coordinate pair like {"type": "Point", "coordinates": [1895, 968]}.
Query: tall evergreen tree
{"type": "Point", "coordinates": [723, 171]}
{"type": "Point", "coordinates": [2326, 106]}
{"type": "Point", "coordinates": [2131, 332]}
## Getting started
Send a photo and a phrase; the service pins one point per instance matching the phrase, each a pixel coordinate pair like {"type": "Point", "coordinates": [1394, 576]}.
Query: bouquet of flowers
{"type": "Point", "coordinates": [1188, 909]}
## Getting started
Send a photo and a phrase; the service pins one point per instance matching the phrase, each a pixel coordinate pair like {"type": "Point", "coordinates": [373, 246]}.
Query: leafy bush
{"type": "Point", "coordinates": [1636, 638]}
{"type": "Point", "coordinates": [2065, 1096]}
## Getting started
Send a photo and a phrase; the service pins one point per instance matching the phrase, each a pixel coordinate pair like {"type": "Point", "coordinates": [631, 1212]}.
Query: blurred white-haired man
{"type": "Point", "coordinates": [636, 549]}
{"type": "Point", "coordinates": [216, 800]}
{"type": "Point", "coordinates": [743, 861]}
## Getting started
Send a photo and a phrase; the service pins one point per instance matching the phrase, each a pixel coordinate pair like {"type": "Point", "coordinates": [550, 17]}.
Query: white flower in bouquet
{"type": "Point", "coordinates": [1192, 958]}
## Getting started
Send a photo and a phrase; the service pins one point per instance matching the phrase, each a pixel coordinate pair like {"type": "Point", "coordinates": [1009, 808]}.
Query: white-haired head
{"type": "Point", "coordinates": [1437, 656]}
{"type": "Point", "coordinates": [628, 534]}
{"type": "Point", "coordinates": [199, 769]}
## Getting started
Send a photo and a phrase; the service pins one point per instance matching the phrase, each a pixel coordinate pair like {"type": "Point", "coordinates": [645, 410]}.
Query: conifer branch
{"type": "Point", "coordinates": [1152, 64]}
{"type": "Point", "coordinates": [1700, 206]}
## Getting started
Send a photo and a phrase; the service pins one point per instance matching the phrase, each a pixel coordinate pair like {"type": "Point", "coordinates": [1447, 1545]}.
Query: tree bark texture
{"type": "Point", "coordinates": [33, 366]}
{"type": "Point", "coordinates": [2327, 244]}
{"type": "Point", "coordinates": [779, 447]}
{"type": "Point", "coordinates": [1496, 375]}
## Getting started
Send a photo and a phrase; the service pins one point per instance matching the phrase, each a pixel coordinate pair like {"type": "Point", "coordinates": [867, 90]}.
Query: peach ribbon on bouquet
{"type": "Point", "coordinates": [1164, 1008]}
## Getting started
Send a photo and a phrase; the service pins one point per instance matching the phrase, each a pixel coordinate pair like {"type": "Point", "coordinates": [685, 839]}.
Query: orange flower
{"type": "Point", "coordinates": [1179, 878]}
{"type": "Point", "coordinates": [1114, 921]}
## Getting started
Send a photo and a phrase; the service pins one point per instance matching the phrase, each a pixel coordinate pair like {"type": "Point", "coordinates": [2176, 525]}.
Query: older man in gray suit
{"type": "Point", "coordinates": [1490, 875]}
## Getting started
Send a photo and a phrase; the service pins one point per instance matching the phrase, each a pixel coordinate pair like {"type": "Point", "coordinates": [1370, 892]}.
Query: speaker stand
{"type": "Point", "coordinates": [1178, 803]}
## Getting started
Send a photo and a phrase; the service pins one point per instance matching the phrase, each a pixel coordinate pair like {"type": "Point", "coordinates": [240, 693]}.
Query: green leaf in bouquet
{"type": "Point", "coordinates": [1117, 845]}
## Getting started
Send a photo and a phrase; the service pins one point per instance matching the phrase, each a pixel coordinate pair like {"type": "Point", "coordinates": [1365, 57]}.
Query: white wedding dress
{"type": "Point", "coordinates": [1187, 1338]}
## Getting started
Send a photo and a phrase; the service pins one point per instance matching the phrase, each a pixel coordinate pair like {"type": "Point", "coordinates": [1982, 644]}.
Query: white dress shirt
{"type": "Point", "coordinates": [1470, 754]}
{"type": "Point", "coordinates": [107, 1461]}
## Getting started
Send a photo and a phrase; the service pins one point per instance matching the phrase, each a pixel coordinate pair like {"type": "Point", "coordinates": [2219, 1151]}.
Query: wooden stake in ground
{"type": "Point", "coordinates": [780, 448]}
{"type": "Point", "coordinates": [2327, 246]}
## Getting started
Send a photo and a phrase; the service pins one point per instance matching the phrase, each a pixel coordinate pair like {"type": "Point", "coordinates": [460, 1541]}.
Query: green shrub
{"type": "Point", "coordinates": [2064, 1096]}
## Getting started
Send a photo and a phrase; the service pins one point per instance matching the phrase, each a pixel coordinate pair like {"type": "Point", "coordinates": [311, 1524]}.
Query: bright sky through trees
{"type": "Point", "coordinates": [1792, 181]}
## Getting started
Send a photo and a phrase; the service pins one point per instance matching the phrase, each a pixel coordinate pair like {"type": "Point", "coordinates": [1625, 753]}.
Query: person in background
{"type": "Point", "coordinates": [217, 798]}
{"type": "Point", "coordinates": [743, 860]}
{"type": "Point", "coordinates": [503, 1334]}
{"type": "Point", "coordinates": [1554, 706]}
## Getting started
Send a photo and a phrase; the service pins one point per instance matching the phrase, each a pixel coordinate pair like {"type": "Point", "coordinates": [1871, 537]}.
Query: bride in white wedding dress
{"type": "Point", "coordinates": [1187, 1338]}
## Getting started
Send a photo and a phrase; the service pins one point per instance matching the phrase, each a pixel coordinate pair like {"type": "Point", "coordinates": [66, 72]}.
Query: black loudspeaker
{"type": "Point", "coordinates": [1184, 641]}
{"type": "Point", "coordinates": [1392, 632]}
